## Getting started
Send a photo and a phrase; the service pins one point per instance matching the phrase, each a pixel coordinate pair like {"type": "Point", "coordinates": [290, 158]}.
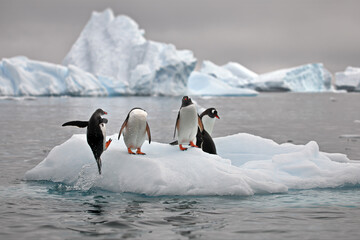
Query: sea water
{"type": "Point", "coordinates": [30, 128]}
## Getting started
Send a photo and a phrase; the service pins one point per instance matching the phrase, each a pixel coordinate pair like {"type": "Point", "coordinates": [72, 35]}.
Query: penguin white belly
{"type": "Point", "coordinates": [103, 130]}
{"type": "Point", "coordinates": [188, 124]}
{"type": "Point", "coordinates": [135, 130]}
{"type": "Point", "coordinates": [208, 123]}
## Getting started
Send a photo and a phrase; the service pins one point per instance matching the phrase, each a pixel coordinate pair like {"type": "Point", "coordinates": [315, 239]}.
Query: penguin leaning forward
{"type": "Point", "coordinates": [95, 134]}
{"type": "Point", "coordinates": [134, 130]}
{"type": "Point", "coordinates": [203, 138]}
{"type": "Point", "coordinates": [187, 123]}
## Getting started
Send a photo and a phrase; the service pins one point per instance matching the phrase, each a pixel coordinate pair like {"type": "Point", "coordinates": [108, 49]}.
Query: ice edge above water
{"type": "Point", "coordinates": [245, 165]}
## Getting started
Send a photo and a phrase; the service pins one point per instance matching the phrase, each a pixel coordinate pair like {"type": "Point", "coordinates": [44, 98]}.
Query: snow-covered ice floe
{"type": "Point", "coordinates": [245, 165]}
{"type": "Point", "coordinates": [305, 78]}
{"type": "Point", "coordinates": [348, 80]}
{"type": "Point", "coordinates": [114, 47]}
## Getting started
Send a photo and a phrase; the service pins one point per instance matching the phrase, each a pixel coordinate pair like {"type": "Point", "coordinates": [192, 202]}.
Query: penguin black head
{"type": "Point", "coordinates": [186, 101]}
{"type": "Point", "coordinates": [100, 112]}
{"type": "Point", "coordinates": [211, 112]}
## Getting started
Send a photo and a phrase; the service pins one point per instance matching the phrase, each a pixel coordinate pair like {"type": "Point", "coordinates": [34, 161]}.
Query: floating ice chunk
{"type": "Point", "coordinates": [232, 74]}
{"type": "Point", "coordinates": [206, 85]}
{"type": "Point", "coordinates": [350, 136]}
{"type": "Point", "coordinates": [246, 165]}
{"type": "Point", "coordinates": [348, 80]}
{"type": "Point", "coordinates": [305, 78]}
{"type": "Point", "coordinates": [115, 48]}
{"type": "Point", "coordinates": [20, 76]}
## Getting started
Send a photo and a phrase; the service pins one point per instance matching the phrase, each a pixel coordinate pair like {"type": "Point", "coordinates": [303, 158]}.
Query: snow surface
{"type": "Point", "coordinates": [305, 78]}
{"type": "Point", "coordinates": [245, 165]}
{"type": "Point", "coordinates": [348, 80]}
{"type": "Point", "coordinates": [114, 47]}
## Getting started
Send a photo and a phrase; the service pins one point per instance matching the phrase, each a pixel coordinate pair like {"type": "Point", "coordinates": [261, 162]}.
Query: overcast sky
{"type": "Point", "coordinates": [263, 35]}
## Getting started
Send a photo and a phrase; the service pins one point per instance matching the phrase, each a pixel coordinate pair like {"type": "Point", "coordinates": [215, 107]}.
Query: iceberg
{"type": "Point", "coordinates": [111, 57]}
{"type": "Point", "coordinates": [348, 80]}
{"type": "Point", "coordinates": [233, 74]}
{"type": "Point", "coordinates": [20, 76]}
{"type": "Point", "coordinates": [202, 84]}
{"type": "Point", "coordinates": [115, 48]}
{"type": "Point", "coordinates": [245, 165]}
{"type": "Point", "coordinates": [305, 78]}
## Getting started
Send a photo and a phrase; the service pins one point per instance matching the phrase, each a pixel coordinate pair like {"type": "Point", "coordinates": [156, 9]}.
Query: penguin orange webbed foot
{"type": "Point", "coordinates": [182, 148]}
{"type": "Point", "coordinates": [130, 152]}
{"type": "Point", "coordinates": [193, 145]}
{"type": "Point", "coordinates": [138, 151]}
{"type": "Point", "coordinates": [108, 143]}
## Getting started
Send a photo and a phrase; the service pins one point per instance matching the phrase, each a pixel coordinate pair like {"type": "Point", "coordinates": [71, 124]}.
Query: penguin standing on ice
{"type": "Point", "coordinates": [95, 134]}
{"type": "Point", "coordinates": [187, 123]}
{"type": "Point", "coordinates": [134, 130]}
{"type": "Point", "coordinates": [203, 138]}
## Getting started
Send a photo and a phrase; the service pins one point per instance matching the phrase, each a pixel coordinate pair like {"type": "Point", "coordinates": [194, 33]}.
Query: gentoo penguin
{"type": "Point", "coordinates": [95, 134]}
{"type": "Point", "coordinates": [134, 130]}
{"type": "Point", "coordinates": [187, 123]}
{"type": "Point", "coordinates": [208, 119]}
{"type": "Point", "coordinates": [207, 144]}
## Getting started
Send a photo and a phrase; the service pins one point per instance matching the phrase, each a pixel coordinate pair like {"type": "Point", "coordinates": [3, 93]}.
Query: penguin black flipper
{"type": "Point", "coordinates": [123, 125]}
{"type": "Point", "coordinates": [177, 124]}
{"type": "Point", "coordinates": [80, 124]}
{"type": "Point", "coordinates": [148, 132]}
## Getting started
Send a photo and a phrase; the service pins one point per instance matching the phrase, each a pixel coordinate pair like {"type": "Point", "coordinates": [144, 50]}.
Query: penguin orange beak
{"type": "Point", "coordinates": [217, 117]}
{"type": "Point", "coordinates": [105, 112]}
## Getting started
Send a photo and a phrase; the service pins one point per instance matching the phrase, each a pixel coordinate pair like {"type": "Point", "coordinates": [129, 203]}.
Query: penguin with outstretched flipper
{"type": "Point", "coordinates": [95, 134]}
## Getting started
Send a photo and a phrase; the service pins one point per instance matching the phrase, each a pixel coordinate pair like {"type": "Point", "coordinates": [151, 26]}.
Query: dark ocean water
{"type": "Point", "coordinates": [46, 210]}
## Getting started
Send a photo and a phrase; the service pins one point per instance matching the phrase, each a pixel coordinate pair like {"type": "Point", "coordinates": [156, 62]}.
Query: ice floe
{"type": "Point", "coordinates": [348, 80]}
{"type": "Point", "coordinates": [245, 165]}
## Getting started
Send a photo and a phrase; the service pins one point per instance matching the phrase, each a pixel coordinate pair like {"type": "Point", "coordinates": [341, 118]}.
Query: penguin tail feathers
{"type": "Point", "coordinates": [98, 161]}
{"type": "Point", "coordinates": [174, 143]}
{"type": "Point", "coordinates": [80, 124]}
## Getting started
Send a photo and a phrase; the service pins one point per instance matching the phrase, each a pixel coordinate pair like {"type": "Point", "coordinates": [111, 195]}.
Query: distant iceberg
{"type": "Point", "coordinates": [305, 78]}
{"type": "Point", "coordinates": [245, 165]}
{"type": "Point", "coordinates": [115, 48]}
{"type": "Point", "coordinates": [348, 80]}
{"type": "Point", "coordinates": [111, 57]}
{"type": "Point", "coordinates": [202, 84]}
{"type": "Point", "coordinates": [20, 76]}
